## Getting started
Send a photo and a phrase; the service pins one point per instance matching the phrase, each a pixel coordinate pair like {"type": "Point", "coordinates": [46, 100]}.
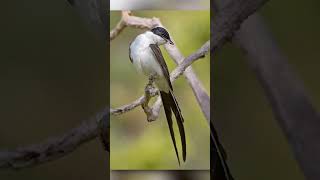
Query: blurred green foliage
{"type": "Point", "coordinates": [136, 143]}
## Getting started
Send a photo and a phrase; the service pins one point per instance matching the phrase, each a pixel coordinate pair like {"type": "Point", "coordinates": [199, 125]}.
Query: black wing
{"type": "Point", "coordinates": [157, 53]}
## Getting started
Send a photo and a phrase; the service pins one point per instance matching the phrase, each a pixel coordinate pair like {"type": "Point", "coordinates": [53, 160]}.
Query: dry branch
{"type": "Point", "coordinates": [133, 21]}
{"type": "Point", "coordinates": [53, 148]}
{"type": "Point", "coordinates": [229, 18]}
{"type": "Point", "coordinates": [93, 12]}
{"type": "Point", "coordinates": [128, 107]}
{"type": "Point", "coordinates": [289, 101]}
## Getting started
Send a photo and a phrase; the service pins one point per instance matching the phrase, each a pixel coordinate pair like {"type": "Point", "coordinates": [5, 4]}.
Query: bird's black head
{"type": "Point", "coordinates": [162, 32]}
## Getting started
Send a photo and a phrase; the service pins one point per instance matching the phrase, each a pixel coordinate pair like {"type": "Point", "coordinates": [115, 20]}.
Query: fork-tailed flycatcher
{"type": "Point", "coordinates": [146, 56]}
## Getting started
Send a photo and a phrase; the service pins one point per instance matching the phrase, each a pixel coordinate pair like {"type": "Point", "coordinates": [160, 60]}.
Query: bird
{"type": "Point", "coordinates": [146, 56]}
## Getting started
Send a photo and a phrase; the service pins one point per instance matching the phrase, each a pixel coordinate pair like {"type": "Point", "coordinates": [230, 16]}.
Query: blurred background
{"type": "Point", "coordinates": [159, 4]}
{"type": "Point", "coordinates": [160, 175]}
{"type": "Point", "coordinates": [136, 143]}
{"type": "Point", "coordinates": [47, 54]}
{"type": "Point", "coordinates": [53, 76]}
{"type": "Point", "coordinates": [256, 146]}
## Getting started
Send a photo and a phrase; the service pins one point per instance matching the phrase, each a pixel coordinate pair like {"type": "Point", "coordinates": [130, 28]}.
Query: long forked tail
{"type": "Point", "coordinates": [170, 104]}
{"type": "Point", "coordinates": [218, 158]}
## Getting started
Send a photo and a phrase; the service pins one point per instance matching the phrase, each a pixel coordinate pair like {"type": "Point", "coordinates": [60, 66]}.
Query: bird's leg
{"type": "Point", "coordinates": [149, 89]}
{"type": "Point", "coordinates": [151, 80]}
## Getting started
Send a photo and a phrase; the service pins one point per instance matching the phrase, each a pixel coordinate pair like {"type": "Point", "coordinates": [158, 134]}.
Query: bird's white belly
{"type": "Point", "coordinates": [147, 64]}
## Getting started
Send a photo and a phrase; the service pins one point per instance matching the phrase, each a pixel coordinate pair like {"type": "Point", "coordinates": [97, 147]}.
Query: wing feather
{"type": "Point", "coordinates": [158, 55]}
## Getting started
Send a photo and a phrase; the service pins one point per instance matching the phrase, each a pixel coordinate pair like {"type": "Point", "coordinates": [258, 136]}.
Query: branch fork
{"type": "Point", "coordinates": [149, 90]}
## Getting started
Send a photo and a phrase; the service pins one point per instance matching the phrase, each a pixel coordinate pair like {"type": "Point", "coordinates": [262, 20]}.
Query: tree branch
{"type": "Point", "coordinates": [290, 103]}
{"type": "Point", "coordinates": [229, 18]}
{"type": "Point", "coordinates": [94, 13]}
{"type": "Point", "coordinates": [54, 148]}
{"type": "Point", "coordinates": [133, 21]}
{"type": "Point", "coordinates": [128, 107]}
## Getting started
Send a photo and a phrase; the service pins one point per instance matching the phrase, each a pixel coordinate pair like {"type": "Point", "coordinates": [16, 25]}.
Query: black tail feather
{"type": "Point", "coordinates": [218, 158]}
{"type": "Point", "coordinates": [177, 112]}
{"type": "Point", "coordinates": [170, 104]}
{"type": "Point", "coordinates": [167, 109]}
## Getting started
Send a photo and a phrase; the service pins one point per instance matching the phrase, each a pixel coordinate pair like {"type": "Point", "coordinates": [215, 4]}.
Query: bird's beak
{"type": "Point", "coordinates": [170, 42]}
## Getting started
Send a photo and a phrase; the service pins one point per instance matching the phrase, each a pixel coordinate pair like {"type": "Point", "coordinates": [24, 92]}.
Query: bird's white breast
{"type": "Point", "coordinates": [143, 58]}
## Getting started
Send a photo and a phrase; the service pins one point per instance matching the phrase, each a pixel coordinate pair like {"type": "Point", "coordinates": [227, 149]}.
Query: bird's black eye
{"type": "Point", "coordinates": [160, 31]}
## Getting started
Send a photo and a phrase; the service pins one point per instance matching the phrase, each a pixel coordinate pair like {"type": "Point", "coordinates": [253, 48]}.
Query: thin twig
{"type": "Point", "coordinates": [133, 21]}
{"type": "Point", "coordinates": [128, 107]}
